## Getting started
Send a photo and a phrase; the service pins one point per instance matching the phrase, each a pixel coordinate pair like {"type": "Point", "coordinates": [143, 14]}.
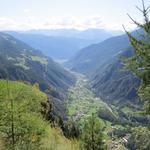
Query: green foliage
{"type": "Point", "coordinates": [71, 130]}
{"type": "Point", "coordinates": [92, 136]}
{"type": "Point", "coordinates": [139, 63]}
{"type": "Point", "coordinates": [139, 139]}
{"type": "Point", "coordinates": [21, 124]}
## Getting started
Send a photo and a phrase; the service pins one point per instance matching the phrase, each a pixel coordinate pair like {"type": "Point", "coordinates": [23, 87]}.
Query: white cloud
{"type": "Point", "coordinates": [85, 22]}
{"type": "Point", "coordinates": [6, 23]}
{"type": "Point", "coordinates": [30, 22]}
{"type": "Point", "coordinates": [74, 22]}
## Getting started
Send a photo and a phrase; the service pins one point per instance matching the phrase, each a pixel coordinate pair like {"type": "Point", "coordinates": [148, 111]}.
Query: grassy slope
{"type": "Point", "coordinates": [56, 141]}
{"type": "Point", "coordinates": [54, 137]}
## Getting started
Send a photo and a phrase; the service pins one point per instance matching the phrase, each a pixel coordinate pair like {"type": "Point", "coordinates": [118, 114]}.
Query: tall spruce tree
{"type": "Point", "coordinates": [139, 63]}
{"type": "Point", "coordinates": [92, 137]}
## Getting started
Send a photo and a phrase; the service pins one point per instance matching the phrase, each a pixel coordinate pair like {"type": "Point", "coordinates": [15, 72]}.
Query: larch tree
{"type": "Point", "coordinates": [139, 63]}
{"type": "Point", "coordinates": [92, 136]}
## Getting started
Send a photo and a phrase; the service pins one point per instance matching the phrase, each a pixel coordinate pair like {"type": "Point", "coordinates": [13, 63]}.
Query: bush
{"type": "Point", "coordinates": [139, 139]}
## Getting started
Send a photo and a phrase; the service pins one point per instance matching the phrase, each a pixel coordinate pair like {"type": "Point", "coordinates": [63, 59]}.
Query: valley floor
{"type": "Point", "coordinates": [82, 102]}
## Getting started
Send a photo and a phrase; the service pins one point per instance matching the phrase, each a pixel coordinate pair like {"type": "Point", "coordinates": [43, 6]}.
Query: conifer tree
{"type": "Point", "coordinates": [92, 137]}
{"type": "Point", "coordinates": [139, 63]}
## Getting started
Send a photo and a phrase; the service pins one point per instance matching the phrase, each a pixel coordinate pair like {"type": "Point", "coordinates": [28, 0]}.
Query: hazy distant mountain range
{"type": "Point", "coordinates": [62, 43]}
{"type": "Point", "coordinates": [91, 33]}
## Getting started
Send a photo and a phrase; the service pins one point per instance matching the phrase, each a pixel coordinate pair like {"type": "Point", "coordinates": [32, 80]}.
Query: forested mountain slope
{"type": "Point", "coordinates": [89, 59]}
{"type": "Point", "coordinates": [18, 61]}
{"type": "Point", "coordinates": [116, 84]}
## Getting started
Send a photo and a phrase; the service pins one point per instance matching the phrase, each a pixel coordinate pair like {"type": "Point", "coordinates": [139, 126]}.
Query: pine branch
{"type": "Point", "coordinates": [135, 22]}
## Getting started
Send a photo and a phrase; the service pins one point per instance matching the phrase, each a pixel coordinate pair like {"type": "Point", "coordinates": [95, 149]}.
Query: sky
{"type": "Point", "coordinates": [78, 14]}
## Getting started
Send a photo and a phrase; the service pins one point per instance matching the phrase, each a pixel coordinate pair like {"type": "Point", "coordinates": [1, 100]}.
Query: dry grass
{"type": "Point", "coordinates": [1, 144]}
{"type": "Point", "coordinates": [56, 141]}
